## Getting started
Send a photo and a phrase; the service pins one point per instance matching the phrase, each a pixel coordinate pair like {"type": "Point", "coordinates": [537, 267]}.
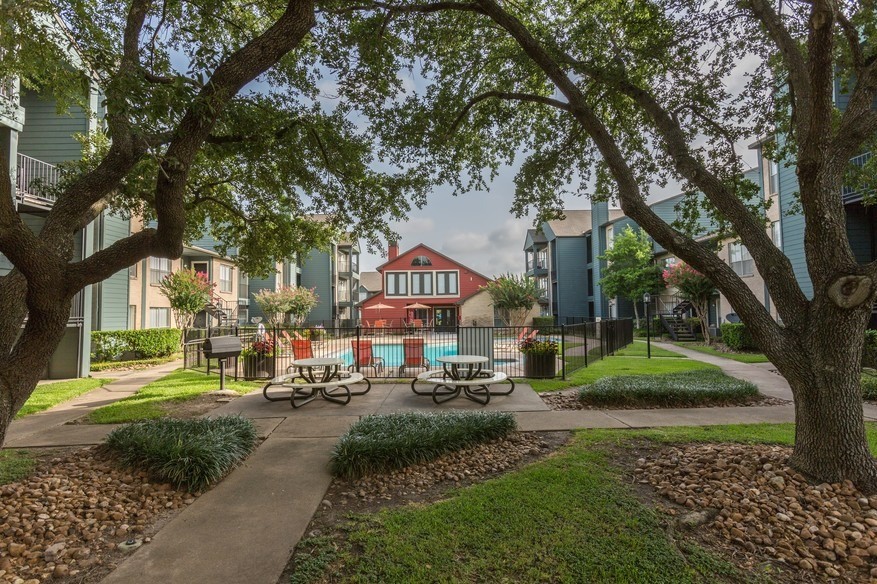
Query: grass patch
{"type": "Point", "coordinates": [611, 366]}
{"type": "Point", "coordinates": [736, 356]}
{"type": "Point", "coordinates": [689, 388]}
{"type": "Point", "coordinates": [136, 364]}
{"type": "Point", "coordinates": [188, 453]}
{"type": "Point", "coordinates": [15, 465]}
{"type": "Point", "coordinates": [581, 523]}
{"type": "Point", "coordinates": [181, 385]}
{"type": "Point", "coordinates": [49, 395]}
{"type": "Point", "coordinates": [385, 442]}
{"type": "Point", "coordinates": [640, 349]}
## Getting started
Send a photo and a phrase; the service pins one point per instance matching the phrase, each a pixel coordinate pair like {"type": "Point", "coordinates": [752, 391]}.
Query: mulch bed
{"type": "Point", "coordinates": [65, 522]}
{"type": "Point", "coordinates": [567, 400]}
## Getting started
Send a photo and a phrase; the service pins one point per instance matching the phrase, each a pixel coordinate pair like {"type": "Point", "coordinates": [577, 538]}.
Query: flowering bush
{"type": "Point", "coordinates": [259, 348]}
{"type": "Point", "coordinates": [188, 292]}
{"type": "Point", "coordinates": [694, 287]}
{"type": "Point", "coordinates": [293, 300]}
{"type": "Point", "coordinates": [534, 347]}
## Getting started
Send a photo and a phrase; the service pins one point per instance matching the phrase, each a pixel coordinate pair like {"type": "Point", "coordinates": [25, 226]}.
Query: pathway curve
{"type": "Point", "coordinates": [245, 528]}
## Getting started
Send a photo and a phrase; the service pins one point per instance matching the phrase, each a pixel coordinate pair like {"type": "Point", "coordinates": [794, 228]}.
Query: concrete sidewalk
{"type": "Point", "coordinates": [48, 428]}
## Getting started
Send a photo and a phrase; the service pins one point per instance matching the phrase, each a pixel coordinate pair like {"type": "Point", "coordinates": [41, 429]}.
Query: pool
{"type": "Point", "coordinates": [393, 354]}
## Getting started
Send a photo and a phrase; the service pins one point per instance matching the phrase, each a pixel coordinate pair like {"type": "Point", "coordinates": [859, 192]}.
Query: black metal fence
{"type": "Point", "coordinates": [403, 352]}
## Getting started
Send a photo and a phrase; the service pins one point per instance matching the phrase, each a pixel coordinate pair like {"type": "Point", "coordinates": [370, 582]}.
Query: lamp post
{"type": "Point", "coordinates": [647, 298]}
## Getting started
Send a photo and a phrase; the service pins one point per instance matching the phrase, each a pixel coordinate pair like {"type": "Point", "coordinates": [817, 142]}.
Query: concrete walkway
{"type": "Point", "coordinates": [245, 528]}
{"type": "Point", "coordinates": [49, 428]}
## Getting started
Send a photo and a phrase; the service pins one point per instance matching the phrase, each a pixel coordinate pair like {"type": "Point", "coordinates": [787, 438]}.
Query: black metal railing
{"type": "Point", "coordinates": [403, 352]}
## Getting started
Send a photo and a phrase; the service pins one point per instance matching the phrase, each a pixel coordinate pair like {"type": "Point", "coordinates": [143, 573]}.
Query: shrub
{"type": "Point", "coordinates": [736, 337]}
{"type": "Point", "coordinates": [688, 388]}
{"type": "Point", "coordinates": [188, 453]}
{"type": "Point", "coordinates": [869, 386]}
{"type": "Point", "coordinates": [144, 343]}
{"type": "Point", "coordinates": [385, 442]}
{"type": "Point", "coordinates": [133, 364]}
{"type": "Point", "coordinates": [543, 322]}
{"type": "Point", "coordinates": [869, 352]}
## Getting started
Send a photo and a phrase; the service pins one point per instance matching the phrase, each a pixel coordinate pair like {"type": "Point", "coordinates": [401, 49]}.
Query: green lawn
{"type": "Point", "coordinates": [48, 395]}
{"type": "Point", "coordinates": [15, 465]}
{"type": "Point", "coordinates": [640, 349]}
{"type": "Point", "coordinates": [181, 385]}
{"type": "Point", "coordinates": [588, 528]}
{"type": "Point", "coordinates": [611, 366]}
{"type": "Point", "coordinates": [741, 357]}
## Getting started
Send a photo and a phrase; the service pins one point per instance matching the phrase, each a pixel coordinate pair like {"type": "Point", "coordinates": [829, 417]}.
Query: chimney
{"type": "Point", "coordinates": [392, 250]}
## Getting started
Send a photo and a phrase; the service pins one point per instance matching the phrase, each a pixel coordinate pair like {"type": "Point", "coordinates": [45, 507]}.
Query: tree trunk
{"type": "Point", "coordinates": [636, 314]}
{"type": "Point", "coordinates": [703, 313]}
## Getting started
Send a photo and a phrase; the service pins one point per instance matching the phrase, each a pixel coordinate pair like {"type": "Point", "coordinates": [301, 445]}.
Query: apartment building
{"type": "Point", "coordinates": [334, 275]}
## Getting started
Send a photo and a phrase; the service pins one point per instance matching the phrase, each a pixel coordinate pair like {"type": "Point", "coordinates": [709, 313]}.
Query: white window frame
{"type": "Point", "coordinates": [159, 315]}
{"type": "Point", "coordinates": [742, 264]}
{"type": "Point", "coordinates": [773, 177]}
{"type": "Point", "coordinates": [226, 285]}
{"type": "Point", "coordinates": [158, 269]}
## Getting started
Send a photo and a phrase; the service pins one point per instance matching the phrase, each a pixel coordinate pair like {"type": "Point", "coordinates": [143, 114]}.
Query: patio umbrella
{"type": "Point", "coordinates": [378, 307]}
{"type": "Point", "coordinates": [417, 305]}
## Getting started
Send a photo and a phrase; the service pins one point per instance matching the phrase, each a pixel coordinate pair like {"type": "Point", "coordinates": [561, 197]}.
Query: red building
{"type": "Point", "coordinates": [423, 276]}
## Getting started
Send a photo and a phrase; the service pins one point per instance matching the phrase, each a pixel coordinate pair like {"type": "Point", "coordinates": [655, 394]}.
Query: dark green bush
{"type": "Point", "coordinates": [188, 453]}
{"type": "Point", "coordinates": [385, 442]}
{"type": "Point", "coordinates": [869, 352]}
{"type": "Point", "coordinates": [144, 343]}
{"type": "Point", "coordinates": [689, 388]}
{"type": "Point", "coordinates": [869, 385]}
{"type": "Point", "coordinates": [736, 337]}
{"type": "Point", "coordinates": [541, 322]}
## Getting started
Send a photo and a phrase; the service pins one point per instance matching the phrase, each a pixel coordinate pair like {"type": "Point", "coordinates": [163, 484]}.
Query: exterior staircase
{"type": "Point", "coordinates": [219, 309]}
{"type": "Point", "coordinates": [677, 328]}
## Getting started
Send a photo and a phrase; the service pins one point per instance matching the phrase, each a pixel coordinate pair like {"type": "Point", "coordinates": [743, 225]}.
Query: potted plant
{"type": "Point", "coordinates": [540, 358]}
{"type": "Point", "coordinates": [258, 359]}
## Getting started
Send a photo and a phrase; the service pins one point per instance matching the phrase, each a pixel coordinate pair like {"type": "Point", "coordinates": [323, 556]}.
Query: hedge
{"type": "Point", "coordinates": [143, 343]}
{"type": "Point", "coordinates": [668, 390]}
{"type": "Point", "coordinates": [541, 322]}
{"type": "Point", "coordinates": [736, 337]}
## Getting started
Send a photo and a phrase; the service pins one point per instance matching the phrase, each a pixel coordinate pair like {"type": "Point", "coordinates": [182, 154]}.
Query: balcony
{"type": "Point", "coordinates": [346, 266]}
{"type": "Point", "coordinates": [34, 181]}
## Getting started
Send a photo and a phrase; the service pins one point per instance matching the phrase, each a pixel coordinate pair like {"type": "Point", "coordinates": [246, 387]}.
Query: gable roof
{"type": "Point", "coordinates": [371, 281]}
{"type": "Point", "coordinates": [574, 224]}
{"type": "Point", "coordinates": [381, 267]}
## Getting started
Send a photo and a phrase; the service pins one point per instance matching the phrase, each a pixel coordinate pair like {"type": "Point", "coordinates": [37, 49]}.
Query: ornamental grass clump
{"type": "Point", "coordinates": [386, 442]}
{"type": "Point", "coordinates": [188, 453]}
{"type": "Point", "coordinates": [689, 388]}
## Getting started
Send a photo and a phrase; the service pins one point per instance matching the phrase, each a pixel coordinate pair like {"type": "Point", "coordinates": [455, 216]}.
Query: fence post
{"type": "Point", "coordinates": [563, 352]}
{"type": "Point", "coordinates": [585, 331]}
{"type": "Point", "coordinates": [356, 352]}
{"type": "Point", "coordinates": [274, 348]}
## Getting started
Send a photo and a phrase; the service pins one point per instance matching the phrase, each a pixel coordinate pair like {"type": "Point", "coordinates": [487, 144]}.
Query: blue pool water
{"type": "Point", "coordinates": [393, 354]}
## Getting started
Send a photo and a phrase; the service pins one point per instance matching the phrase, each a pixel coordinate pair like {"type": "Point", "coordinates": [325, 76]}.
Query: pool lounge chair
{"type": "Point", "coordinates": [512, 345]}
{"type": "Point", "coordinates": [414, 355]}
{"type": "Point", "coordinates": [364, 357]}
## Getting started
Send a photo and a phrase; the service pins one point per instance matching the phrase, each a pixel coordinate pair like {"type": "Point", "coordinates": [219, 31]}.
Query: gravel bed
{"type": "Point", "coordinates": [751, 501]}
{"type": "Point", "coordinates": [568, 400]}
{"type": "Point", "coordinates": [68, 518]}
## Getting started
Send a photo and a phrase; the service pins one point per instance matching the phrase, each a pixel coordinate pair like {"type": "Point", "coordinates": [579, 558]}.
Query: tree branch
{"type": "Point", "coordinates": [511, 96]}
{"type": "Point", "coordinates": [411, 8]}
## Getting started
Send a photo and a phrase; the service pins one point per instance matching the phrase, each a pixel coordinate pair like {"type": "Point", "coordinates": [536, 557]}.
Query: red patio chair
{"type": "Point", "coordinates": [301, 349]}
{"type": "Point", "coordinates": [414, 355]}
{"type": "Point", "coordinates": [363, 356]}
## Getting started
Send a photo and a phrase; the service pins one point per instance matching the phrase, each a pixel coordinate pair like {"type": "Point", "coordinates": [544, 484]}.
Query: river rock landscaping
{"type": "Point", "coordinates": [753, 504]}
{"type": "Point", "coordinates": [569, 399]}
{"type": "Point", "coordinates": [72, 517]}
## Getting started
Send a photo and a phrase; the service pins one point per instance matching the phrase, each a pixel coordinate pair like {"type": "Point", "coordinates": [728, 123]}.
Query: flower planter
{"type": "Point", "coordinates": [258, 366]}
{"type": "Point", "coordinates": [540, 365]}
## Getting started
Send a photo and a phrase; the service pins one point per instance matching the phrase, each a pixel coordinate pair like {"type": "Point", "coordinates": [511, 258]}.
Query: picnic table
{"type": "Point", "coordinates": [462, 374]}
{"type": "Point", "coordinates": [316, 377]}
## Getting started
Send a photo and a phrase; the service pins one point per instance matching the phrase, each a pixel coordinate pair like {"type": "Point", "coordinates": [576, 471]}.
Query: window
{"type": "Point", "coordinates": [776, 234]}
{"type": "Point", "coordinates": [159, 317]}
{"type": "Point", "coordinates": [225, 278]}
{"type": "Point", "coordinates": [741, 260]}
{"type": "Point", "coordinates": [447, 283]}
{"type": "Point", "coordinates": [343, 291]}
{"type": "Point", "coordinates": [589, 252]}
{"type": "Point", "coordinates": [421, 261]}
{"type": "Point", "coordinates": [132, 271]}
{"type": "Point", "coordinates": [158, 269]}
{"type": "Point", "coordinates": [243, 314]}
{"type": "Point", "coordinates": [590, 282]}
{"type": "Point", "coordinates": [397, 284]}
{"type": "Point", "coordinates": [774, 170]}
{"type": "Point", "coordinates": [421, 283]}
{"type": "Point", "coordinates": [132, 316]}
